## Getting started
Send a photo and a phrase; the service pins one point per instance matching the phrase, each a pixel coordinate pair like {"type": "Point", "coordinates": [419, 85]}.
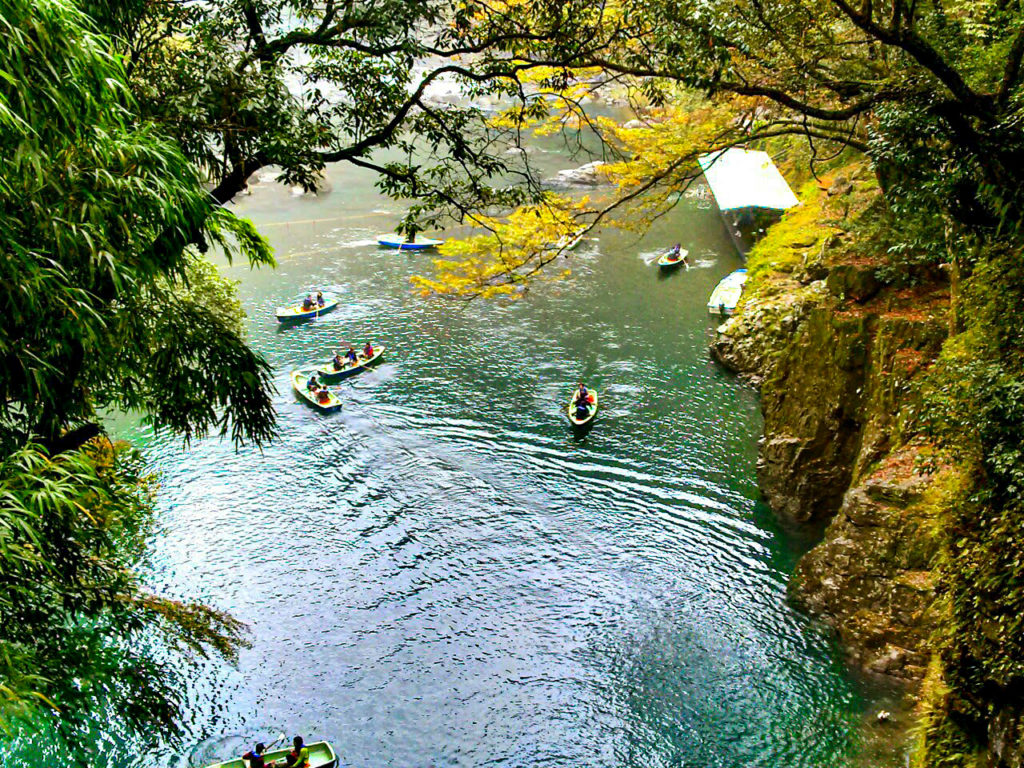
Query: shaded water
{"type": "Point", "coordinates": [441, 575]}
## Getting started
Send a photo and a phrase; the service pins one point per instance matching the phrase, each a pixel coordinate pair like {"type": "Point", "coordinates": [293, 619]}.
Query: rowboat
{"type": "Point", "coordinates": [331, 403]}
{"type": "Point", "coordinates": [296, 312]}
{"type": "Point", "coordinates": [321, 755]}
{"type": "Point", "coordinates": [727, 293]}
{"type": "Point", "coordinates": [399, 242]}
{"type": "Point", "coordinates": [671, 261]}
{"type": "Point", "coordinates": [591, 409]}
{"type": "Point", "coordinates": [329, 373]}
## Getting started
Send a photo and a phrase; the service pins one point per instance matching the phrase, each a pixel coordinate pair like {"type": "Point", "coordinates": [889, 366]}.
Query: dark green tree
{"type": "Point", "coordinates": [105, 307]}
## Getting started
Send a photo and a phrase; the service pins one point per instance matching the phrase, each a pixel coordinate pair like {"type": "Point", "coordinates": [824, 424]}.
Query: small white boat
{"type": "Point", "coordinates": [296, 312]}
{"type": "Point", "coordinates": [569, 240]}
{"type": "Point", "coordinates": [399, 242]}
{"type": "Point", "coordinates": [727, 293]}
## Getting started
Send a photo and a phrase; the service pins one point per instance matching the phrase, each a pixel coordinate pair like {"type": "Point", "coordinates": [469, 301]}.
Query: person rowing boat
{"type": "Point", "coordinates": [255, 757]}
{"type": "Point", "coordinates": [582, 402]}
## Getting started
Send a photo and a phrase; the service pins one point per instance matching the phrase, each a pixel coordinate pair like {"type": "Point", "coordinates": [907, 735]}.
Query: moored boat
{"type": "Point", "coordinates": [321, 755]}
{"type": "Point", "coordinates": [671, 260]}
{"type": "Point", "coordinates": [330, 402]}
{"type": "Point", "coordinates": [296, 312]}
{"type": "Point", "coordinates": [328, 372]}
{"type": "Point", "coordinates": [727, 293]}
{"type": "Point", "coordinates": [591, 408]}
{"type": "Point", "coordinates": [397, 241]}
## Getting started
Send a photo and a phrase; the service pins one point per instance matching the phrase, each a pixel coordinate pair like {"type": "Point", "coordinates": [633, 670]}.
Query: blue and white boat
{"type": "Point", "coordinates": [296, 312]}
{"type": "Point", "coordinates": [399, 242]}
{"type": "Point", "coordinates": [727, 293]}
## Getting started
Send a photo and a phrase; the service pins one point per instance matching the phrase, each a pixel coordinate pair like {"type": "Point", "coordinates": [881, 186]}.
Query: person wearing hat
{"type": "Point", "coordinates": [255, 758]}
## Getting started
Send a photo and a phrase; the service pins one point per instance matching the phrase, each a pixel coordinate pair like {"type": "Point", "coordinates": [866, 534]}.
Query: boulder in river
{"type": "Point", "coordinates": [585, 176]}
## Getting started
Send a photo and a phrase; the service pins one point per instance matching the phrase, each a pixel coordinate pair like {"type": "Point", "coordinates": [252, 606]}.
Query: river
{"type": "Point", "coordinates": [442, 575]}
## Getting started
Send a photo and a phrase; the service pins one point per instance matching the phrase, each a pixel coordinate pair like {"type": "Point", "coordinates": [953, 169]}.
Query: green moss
{"type": "Point", "coordinates": [938, 741]}
{"type": "Point", "coordinates": [802, 231]}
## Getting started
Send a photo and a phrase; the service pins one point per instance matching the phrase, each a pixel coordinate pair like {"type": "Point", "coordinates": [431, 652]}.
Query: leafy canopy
{"type": "Point", "coordinates": [105, 306]}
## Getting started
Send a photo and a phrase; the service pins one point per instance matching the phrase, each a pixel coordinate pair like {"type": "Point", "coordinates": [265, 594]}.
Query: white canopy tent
{"type": "Point", "coordinates": [746, 178]}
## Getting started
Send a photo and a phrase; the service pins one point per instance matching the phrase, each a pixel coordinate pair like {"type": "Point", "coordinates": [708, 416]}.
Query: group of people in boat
{"type": "Point", "coordinates": [319, 391]}
{"type": "Point", "coordinates": [309, 303]}
{"type": "Point", "coordinates": [350, 358]}
{"type": "Point", "coordinates": [297, 758]}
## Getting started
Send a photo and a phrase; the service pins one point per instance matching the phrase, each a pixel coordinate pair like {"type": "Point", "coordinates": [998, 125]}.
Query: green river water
{"type": "Point", "coordinates": [441, 575]}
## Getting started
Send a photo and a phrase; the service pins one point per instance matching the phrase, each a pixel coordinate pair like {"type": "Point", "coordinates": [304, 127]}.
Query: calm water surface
{"type": "Point", "coordinates": [441, 575]}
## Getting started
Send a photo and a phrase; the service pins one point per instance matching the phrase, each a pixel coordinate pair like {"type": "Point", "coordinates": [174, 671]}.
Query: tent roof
{"type": "Point", "coordinates": [745, 178]}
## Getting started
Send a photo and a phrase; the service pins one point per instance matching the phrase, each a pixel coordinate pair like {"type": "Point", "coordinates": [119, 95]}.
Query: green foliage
{"type": "Point", "coordinates": [974, 407]}
{"type": "Point", "coordinates": [75, 624]}
{"type": "Point", "coordinates": [95, 211]}
{"type": "Point", "coordinates": [104, 307]}
{"type": "Point", "coordinates": [295, 85]}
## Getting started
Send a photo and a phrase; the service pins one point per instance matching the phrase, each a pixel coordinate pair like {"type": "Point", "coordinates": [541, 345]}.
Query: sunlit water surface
{"type": "Point", "coordinates": [442, 574]}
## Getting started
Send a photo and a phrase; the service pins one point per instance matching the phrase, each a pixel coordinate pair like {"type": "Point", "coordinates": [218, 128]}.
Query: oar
{"type": "Point", "coordinates": [270, 747]}
{"type": "Point", "coordinates": [275, 742]}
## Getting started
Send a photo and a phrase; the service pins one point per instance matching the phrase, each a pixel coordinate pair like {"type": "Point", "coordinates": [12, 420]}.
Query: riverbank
{"type": "Point", "coordinates": [841, 358]}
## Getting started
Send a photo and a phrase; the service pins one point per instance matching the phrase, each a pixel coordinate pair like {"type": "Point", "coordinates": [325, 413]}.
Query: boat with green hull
{"type": "Point", "coordinates": [591, 408]}
{"type": "Point", "coordinates": [328, 372]}
{"type": "Point", "coordinates": [330, 401]}
{"type": "Point", "coordinates": [321, 755]}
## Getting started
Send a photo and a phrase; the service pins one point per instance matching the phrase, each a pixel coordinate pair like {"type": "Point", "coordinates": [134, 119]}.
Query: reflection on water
{"type": "Point", "coordinates": [440, 574]}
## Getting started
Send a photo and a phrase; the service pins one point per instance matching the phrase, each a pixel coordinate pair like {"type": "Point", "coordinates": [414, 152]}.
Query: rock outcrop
{"type": "Point", "coordinates": [910, 571]}
{"type": "Point", "coordinates": [587, 175]}
{"type": "Point", "coordinates": [835, 355]}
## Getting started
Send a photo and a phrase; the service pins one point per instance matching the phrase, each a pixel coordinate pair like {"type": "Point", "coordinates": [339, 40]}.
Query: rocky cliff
{"type": "Point", "coordinates": [835, 357]}
{"type": "Point", "coordinates": [839, 357]}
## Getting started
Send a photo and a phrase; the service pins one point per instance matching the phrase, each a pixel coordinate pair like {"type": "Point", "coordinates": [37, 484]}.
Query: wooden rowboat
{"type": "Point", "coordinates": [331, 403]}
{"type": "Point", "coordinates": [397, 241]}
{"type": "Point", "coordinates": [329, 373]}
{"type": "Point", "coordinates": [296, 312]}
{"type": "Point", "coordinates": [321, 755]}
{"type": "Point", "coordinates": [591, 410]}
{"type": "Point", "coordinates": [667, 262]}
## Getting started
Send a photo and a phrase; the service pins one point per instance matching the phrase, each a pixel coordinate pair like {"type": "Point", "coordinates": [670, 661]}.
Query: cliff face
{"type": "Point", "coordinates": [917, 571]}
{"type": "Point", "coordinates": [835, 357]}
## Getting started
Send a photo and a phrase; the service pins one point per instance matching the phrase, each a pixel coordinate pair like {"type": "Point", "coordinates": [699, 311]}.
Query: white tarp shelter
{"type": "Point", "coordinates": [746, 178]}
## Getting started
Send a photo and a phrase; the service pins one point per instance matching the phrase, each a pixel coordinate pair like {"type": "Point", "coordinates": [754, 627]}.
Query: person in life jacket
{"type": "Point", "coordinates": [582, 395]}
{"type": "Point", "coordinates": [338, 362]}
{"type": "Point", "coordinates": [582, 402]}
{"type": "Point", "coordinates": [308, 303]}
{"type": "Point", "coordinates": [582, 410]}
{"type": "Point", "coordinates": [368, 350]}
{"type": "Point", "coordinates": [351, 355]}
{"type": "Point", "coordinates": [255, 757]}
{"type": "Point", "coordinates": [299, 756]}
{"type": "Point", "coordinates": [320, 298]}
